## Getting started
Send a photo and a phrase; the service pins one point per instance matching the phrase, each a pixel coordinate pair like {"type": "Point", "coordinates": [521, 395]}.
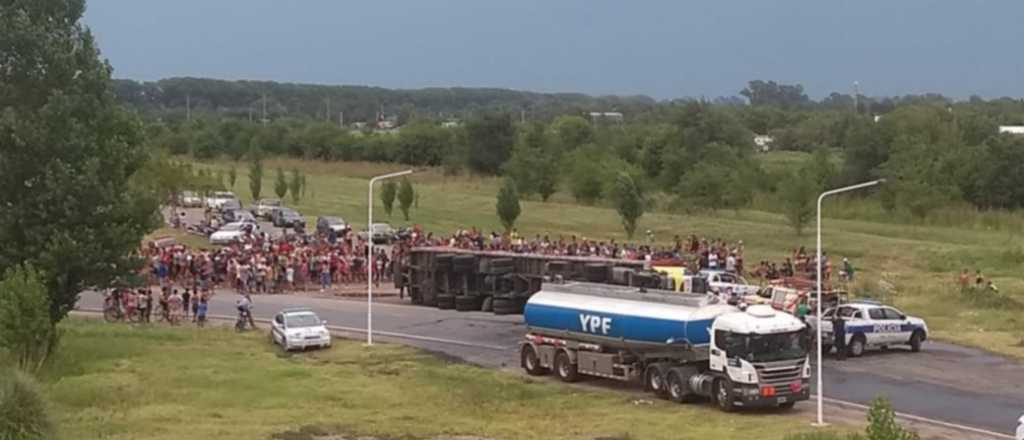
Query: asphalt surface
{"type": "Point", "coordinates": [943, 382]}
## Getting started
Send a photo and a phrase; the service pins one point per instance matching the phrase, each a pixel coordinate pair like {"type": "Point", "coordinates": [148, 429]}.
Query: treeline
{"type": "Point", "coordinates": [934, 151]}
{"type": "Point", "coordinates": [168, 99]}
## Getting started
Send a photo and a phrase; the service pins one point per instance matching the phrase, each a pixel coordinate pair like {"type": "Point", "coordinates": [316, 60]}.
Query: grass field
{"type": "Point", "coordinates": [911, 265]}
{"type": "Point", "coordinates": [138, 382]}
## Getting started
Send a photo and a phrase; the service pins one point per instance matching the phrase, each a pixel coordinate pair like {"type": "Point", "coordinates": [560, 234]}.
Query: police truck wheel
{"type": "Point", "coordinates": [915, 341]}
{"type": "Point", "coordinates": [654, 380]}
{"type": "Point", "coordinates": [856, 348]}
{"type": "Point", "coordinates": [787, 405]}
{"type": "Point", "coordinates": [723, 395]}
{"type": "Point", "coordinates": [564, 368]}
{"type": "Point", "coordinates": [530, 361]}
{"type": "Point", "coordinates": [826, 349]}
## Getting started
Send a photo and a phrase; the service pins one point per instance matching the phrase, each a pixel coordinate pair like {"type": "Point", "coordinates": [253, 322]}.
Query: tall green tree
{"type": "Point", "coordinates": [232, 177]}
{"type": "Point", "coordinates": [490, 138]}
{"type": "Point", "coordinates": [508, 205]}
{"type": "Point", "coordinates": [405, 197]}
{"type": "Point", "coordinates": [280, 184]}
{"type": "Point", "coordinates": [798, 193]}
{"type": "Point", "coordinates": [629, 201]}
{"type": "Point", "coordinates": [255, 176]}
{"type": "Point", "coordinates": [69, 156]}
{"type": "Point", "coordinates": [387, 196]}
{"type": "Point", "coordinates": [295, 185]}
{"type": "Point", "coordinates": [573, 132]}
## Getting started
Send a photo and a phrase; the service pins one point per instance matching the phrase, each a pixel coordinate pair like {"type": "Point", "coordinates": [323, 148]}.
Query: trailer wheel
{"type": "Point", "coordinates": [565, 369]}
{"type": "Point", "coordinates": [504, 306]}
{"type": "Point", "coordinates": [466, 303]}
{"type": "Point", "coordinates": [654, 380]}
{"type": "Point", "coordinates": [787, 405]}
{"type": "Point", "coordinates": [678, 390]}
{"type": "Point", "coordinates": [488, 304]}
{"type": "Point", "coordinates": [723, 395]}
{"type": "Point", "coordinates": [530, 361]}
{"type": "Point", "coordinates": [446, 302]}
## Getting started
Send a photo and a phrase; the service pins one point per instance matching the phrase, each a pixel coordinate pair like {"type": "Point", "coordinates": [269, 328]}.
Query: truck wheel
{"type": "Point", "coordinates": [446, 302]}
{"type": "Point", "coordinates": [466, 303]}
{"type": "Point", "coordinates": [504, 306]}
{"type": "Point", "coordinates": [488, 305]}
{"type": "Point", "coordinates": [856, 348]}
{"type": "Point", "coordinates": [787, 405]}
{"type": "Point", "coordinates": [531, 363]}
{"type": "Point", "coordinates": [565, 369]}
{"type": "Point", "coordinates": [678, 388]}
{"type": "Point", "coordinates": [915, 341]}
{"type": "Point", "coordinates": [723, 395]}
{"type": "Point", "coordinates": [654, 380]}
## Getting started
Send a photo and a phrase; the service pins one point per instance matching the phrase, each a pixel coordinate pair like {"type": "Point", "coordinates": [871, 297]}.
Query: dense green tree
{"type": "Point", "coordinates": [490, 138]}
{"type": "Point", "coordinates": [534, 162]}
{"type": "Point", "coordinates": [798, 193]}
{"type": "Point", "coordinates": [771, 93]}
{"type": "Point", "coordinates": [629, 201]}
{"type": "Point", "coordinates": [405, 197]}
{"type": "Point", "coordinates": [387, 196]}
{"type": "Point", "coordinates": [232, 177]}
{"type": "Point", "coordinates": [572, 131]}
{"type": "Point", "coordinates": [280, 184]}
{"type": "Point", "coordinates": [295, 185]}
{"type": "Point", "coordinates": [69, 156]}
{"type": "Point", "coordinates": [255, 175]}
{"type": "Point", "coordinates": [26, 333]}
{"type": "Point", "coordinates": [422, 143]}
{"type": "Point", "coordinates": [508, 205]}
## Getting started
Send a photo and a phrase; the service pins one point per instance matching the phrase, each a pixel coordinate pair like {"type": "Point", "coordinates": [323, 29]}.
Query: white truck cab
{"type": "Point", "coordinates": [763, 353]}
{"type": "Point", "coordinates": [871, 324]}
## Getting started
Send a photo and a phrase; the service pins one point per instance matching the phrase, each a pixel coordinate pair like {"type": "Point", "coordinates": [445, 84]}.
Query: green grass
{"type": "Point", "coordinates": [915, 262]}
{"type": "Point", "coordinates": [124, 382]}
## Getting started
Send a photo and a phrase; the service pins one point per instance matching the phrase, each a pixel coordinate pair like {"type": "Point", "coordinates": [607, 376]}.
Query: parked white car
{"type": "Point", "coordinates": [233, 232]}
{"type": "Point", "coordinates": [265, 207]}
{"type": "Point", "coordinates": [219, 198]}
{"type": "Point", "coordinates": [722, 281]}
{"type": "Point", "coordinates": [189, 199]}
{"type": "Point", "coordinates": [299, 328]}
{"type": "Point", "coordinates": [870, 324]}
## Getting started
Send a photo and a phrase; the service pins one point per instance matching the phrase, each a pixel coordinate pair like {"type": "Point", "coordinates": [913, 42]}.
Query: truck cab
{"type": "Point", "coordinates": [760, 355]}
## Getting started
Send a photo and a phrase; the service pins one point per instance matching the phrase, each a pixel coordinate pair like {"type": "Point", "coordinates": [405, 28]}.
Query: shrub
{"type": "Point", "coordinates": [23, 411]}
{"type": "Point", "coordinates": [26, 332]}
{"type": "Point", "coordinates": [882, 423]}
{"type": "Point", "coordinates": [824, 435]}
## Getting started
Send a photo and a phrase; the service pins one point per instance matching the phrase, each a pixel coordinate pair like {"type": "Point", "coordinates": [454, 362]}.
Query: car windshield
{"type": "Point", "coordinates": [271, 203]}
{"type": "Point", "coordinates": [232, 227]}
{"type": "Point", "coordinates": [224, 195]}
{"type": "Point", "coordinates": [300, 320]}
{"type": "Point", "coordinates": [768, 348]}
{"type": "Point", "coordinates": [333, 221]}
{"type": "Point", "coordinates": [381, 227]}
{"type": "Point", "coordinates": [288, 212]}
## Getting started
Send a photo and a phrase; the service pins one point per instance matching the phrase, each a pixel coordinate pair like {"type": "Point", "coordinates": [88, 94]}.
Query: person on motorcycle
{"type": "Point", "coordinates": [244, 305]}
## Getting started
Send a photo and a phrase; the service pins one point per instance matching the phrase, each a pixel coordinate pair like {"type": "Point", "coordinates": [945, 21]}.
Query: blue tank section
{"type": "Point", "coordinates": [619, 326]}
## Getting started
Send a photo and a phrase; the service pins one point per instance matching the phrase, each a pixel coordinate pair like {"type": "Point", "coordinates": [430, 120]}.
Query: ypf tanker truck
{"type": "Point", "coordinates": [682, 346]}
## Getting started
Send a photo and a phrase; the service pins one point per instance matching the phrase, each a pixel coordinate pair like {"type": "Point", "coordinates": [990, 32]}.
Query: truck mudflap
{"type": "Point", "coordinates": [761, 396]}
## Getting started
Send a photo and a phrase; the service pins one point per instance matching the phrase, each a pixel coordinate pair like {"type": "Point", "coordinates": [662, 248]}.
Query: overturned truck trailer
{"type": "Point", "coordinates": [501, 282]}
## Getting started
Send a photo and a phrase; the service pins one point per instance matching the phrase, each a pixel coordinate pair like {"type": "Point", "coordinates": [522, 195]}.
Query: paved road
{"type": "Point", "coordinates": [943, 382]}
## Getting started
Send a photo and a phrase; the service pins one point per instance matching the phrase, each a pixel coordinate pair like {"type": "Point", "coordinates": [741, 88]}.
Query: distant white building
{"type": "Point", "coordinates": [1011, 129]}
{"type": "Point", "coordinates": [878, 118]}
{"type": "Point", "coordinates": [763, 142]}
{"type": "Point", "coordinates": [451, 124]}
{"type": "Point", "coordinates": [606, 116]}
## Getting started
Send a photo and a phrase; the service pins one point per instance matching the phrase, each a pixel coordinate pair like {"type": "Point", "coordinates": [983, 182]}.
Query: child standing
{"type": "Point", "coordinates": [201, 311]}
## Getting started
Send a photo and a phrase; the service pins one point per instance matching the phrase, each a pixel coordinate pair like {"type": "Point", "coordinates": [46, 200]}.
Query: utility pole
{"type": "Point", "coordinates": [856, 97]}
{"type": "Point", "coordinates": [522, 116]}
{"type": "Point", "coordinates": [188, 107]}
{"type": "Point", "coordinates": [327, 114]}
{"type": "Point", "coordinates": [341, 119]}
{"type": "Point", "coordinates": [264, 109]}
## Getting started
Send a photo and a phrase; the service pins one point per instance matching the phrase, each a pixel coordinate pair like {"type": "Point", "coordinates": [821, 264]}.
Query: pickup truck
{"type": "Point", "coordinates": [871, 324]}
{"type": "Point", "coordinates": [721, 281]}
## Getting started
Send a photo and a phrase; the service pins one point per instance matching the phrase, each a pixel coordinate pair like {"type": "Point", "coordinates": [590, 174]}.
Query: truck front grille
{"type": "Point", "coordinates": [780, 374]}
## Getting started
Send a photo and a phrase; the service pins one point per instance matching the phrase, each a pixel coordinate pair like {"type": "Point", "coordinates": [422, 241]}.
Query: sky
{"type": "Point", "coordinates": [660, 48]}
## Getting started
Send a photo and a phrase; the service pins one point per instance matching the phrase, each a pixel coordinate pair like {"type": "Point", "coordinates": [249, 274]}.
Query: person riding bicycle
{"type": "Point", "coordinates": [244, 305]}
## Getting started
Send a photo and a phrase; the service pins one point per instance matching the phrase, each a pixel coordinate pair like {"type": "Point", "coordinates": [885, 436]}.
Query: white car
{"type": "Point", "coordinates": [870, 324]}
{"type": "Point", "coordinates": [296, 329]}
{"type": "Point", "coordinates": [219, 198]}
{"type": "Point", "coordinates": [722, 281]}
{"type": "Point", "coordinates": [264, 207]}
{"type": "Point", "coordinates": [233, 232]}
{"type": "Point", "coordinates": [189, 199]}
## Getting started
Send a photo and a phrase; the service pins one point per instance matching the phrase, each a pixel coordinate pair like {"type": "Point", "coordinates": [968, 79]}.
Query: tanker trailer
{"type": "Point", "coordinates": [682, 347]}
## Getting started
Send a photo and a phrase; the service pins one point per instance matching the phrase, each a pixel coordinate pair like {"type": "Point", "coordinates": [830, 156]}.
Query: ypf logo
{"type": "Point", "coordinates": [595, 324]}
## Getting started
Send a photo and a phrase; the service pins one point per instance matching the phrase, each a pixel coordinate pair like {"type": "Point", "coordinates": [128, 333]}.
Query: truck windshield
{"type": "Point", "coordinates": [768, 348]}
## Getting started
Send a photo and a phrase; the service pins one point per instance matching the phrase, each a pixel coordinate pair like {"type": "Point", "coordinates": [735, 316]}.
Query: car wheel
{"type": "Point", "coordinates": [915, 341]}
{"type": "Point", "coordinates": [857, 346]}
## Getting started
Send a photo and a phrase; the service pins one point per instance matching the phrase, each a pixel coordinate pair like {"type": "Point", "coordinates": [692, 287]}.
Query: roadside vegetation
{"type": "Point", "coordinates": [164, 383]}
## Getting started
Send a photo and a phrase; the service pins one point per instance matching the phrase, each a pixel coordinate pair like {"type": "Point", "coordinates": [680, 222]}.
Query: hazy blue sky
{"type": "Point", "coordinates": [665, 49]}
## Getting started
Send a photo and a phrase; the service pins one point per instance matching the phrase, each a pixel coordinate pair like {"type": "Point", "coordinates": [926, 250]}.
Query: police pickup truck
{"type": "Point", "coordinates": [871, 324]}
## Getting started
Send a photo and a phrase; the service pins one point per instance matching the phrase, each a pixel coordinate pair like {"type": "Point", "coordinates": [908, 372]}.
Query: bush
{"type": "Point", "coordinates": [882, 423]}
{"type": "Point", "coordinates": [26, 332]}
{"type": "Point", "coordinates": [23, 411]}
{"type": "Point", "coordinates": [824, 435]}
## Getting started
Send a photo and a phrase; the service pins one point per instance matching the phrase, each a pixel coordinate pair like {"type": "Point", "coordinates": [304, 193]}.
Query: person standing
{"type": "Point", "coordinates": [201, 311]}
{"type": "Point", "coordinates": [1020, 428]}
{"type": "Point", "coordinates": [185, 304]}
{"type": "Point", "coordinates": [839, 330]}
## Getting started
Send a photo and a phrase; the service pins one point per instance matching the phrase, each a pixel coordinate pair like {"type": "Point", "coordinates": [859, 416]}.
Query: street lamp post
{"type": "Point", "coordinates": [821, 395]}
{"type": "Point", "coordinates": [370, 257]}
